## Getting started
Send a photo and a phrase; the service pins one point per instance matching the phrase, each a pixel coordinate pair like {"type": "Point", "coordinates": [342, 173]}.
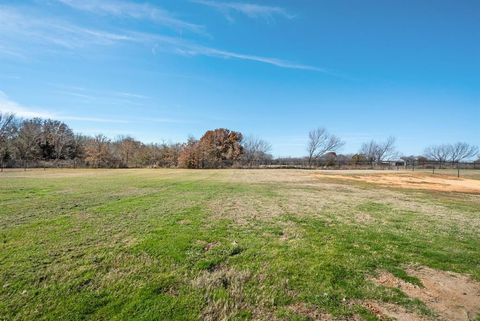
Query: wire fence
{"type": "Point", "coordinates": [434, 167]}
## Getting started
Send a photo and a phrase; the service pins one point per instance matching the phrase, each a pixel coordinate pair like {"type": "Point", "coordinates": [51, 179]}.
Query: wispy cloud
{"type": "Point", "coordinates": [9, 106]}
{"type": "Point", "coordinates": [109, 96]}
{"type": "Point", "coordinates": [143, 11]}
{"type": "Point", "coordinates": [11, 52]}
{"type": "Point", "coordinates": [250, 10]}
{"type": "Point", "coordinates": [55, 33]}
{"type": "Point", "coordinates": [16, 27]}
{"type": "Point", "coordinates": [182, 47]}
{"type": "Point", "coordinates": [211, 52]}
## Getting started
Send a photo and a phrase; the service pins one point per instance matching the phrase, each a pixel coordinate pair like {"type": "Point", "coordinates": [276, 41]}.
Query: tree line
{"type": "Point", "coordinates": [30, 142]}
{"type": "Point", "coordinates": [46, 142]}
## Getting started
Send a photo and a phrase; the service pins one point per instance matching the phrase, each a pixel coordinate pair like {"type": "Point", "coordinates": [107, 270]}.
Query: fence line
{"type": "Point", "coordinates": [288, 163]}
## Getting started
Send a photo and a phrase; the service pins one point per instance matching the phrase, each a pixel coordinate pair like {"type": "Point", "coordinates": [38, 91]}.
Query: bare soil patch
{"type": "Point", "coordinates": [424, 181]}
{"type": "Point", "coordinates": [386, 311]}
{"type": "Point", "coordinates": [452, 296]}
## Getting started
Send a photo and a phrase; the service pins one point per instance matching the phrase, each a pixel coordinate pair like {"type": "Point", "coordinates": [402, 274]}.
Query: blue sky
{"type": "Point", "coordinates": [163, 70]}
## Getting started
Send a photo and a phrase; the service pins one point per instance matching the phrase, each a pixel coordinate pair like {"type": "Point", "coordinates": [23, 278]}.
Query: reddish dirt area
{"type": "Point", "coordinates": [425, 181]}
{"type": "Point", "coordinates": [452, 296]}
{"type": "Point", "coordinates": [387, 311]}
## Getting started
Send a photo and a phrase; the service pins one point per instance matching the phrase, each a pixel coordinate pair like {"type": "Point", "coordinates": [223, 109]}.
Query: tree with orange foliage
{"type": "Point", "coordinates": [217, 148]}
{"type": "Point", "coordinates": [189, 156]}
{"type": "Point", "coordinates": [220, 147]}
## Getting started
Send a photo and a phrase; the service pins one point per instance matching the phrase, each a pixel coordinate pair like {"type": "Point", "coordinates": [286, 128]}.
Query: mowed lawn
{"type": "Point", "coordinates": [158, 244]}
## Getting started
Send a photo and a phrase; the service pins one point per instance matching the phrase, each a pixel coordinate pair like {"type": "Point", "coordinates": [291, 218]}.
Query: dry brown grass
{"type": "Point", "coordinates": [220, 308]}
{"type": "Point", "coordinates": [334, 198]}
{"type": "Point", "coordinates": [412, 180]}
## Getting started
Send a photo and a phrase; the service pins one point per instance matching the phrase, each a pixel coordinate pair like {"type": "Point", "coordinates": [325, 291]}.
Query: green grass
{"type": "Point", "coordinates": [155, 245]}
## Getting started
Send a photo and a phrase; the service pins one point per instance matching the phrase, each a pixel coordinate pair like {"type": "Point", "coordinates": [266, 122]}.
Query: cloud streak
{"type": "Point", "coordinates": [250, 10]}
{"type": "Point", "coordinates": [211, 52]}
{"type": "Point", "coordinates": [186, 48]}
{"type": "Point", "coordinates": [105, 97]}
{"type": "Point", "coordinates": [18, 27]}
{"type": "Point", "coordinates": [197, 50]}
{"type": "Point", "coordinates": [140, 11]}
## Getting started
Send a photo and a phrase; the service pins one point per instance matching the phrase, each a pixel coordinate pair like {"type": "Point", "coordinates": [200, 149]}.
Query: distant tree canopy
{"type": "Point", "coordinates": [39, 142]}
{"type": "Point", "coordinates": [31, 141]}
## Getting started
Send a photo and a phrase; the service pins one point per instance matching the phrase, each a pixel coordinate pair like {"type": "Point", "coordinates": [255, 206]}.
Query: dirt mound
{"type": "Point", "coordinates": [414, 181]}
{"type": "Point", "coordinates": [452, 296]}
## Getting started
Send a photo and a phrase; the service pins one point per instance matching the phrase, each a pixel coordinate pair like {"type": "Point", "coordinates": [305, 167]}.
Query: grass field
{"type": "Point", "coordinates": [235, 245]}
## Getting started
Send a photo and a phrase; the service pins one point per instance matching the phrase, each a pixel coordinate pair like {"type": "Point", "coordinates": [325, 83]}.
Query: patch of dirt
{"type": "Point", "coordinates": [451, 295]}
{"type": "Point", "coordinates": [441, 183]}
{"type": "Point", "coordinates": [386, 311]}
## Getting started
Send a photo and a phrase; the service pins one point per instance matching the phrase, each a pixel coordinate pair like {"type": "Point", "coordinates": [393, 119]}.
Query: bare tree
{"type": "Point", "coordinates": [451, 152]}
{"type": "Point", "coordinates": [255, 150]}
{"type": "Point", "coordinates": [27, 142]}
{"type": "Point", "coordinates": [8, 128]}
{"type": "Point", "coordinates": [368, 150]}
{"type": "Point", "coordinates": [376, 152]}
{"type": "Point", "coordinates": [6, 121]}
{"type": "Point", "coordinates": [77, 148]}
{"type": "Point", "coordinates": [321, 142]}
{"type": "Point", "coordinates": [127, 148]}
{"type": "Point", "coordinates": [439, 153]}
{"type": "Point", "coordinates": [59, 137]}
{"type": "Point", "coordinates": [386, 150]}
{"type": "Point", "coordinates": [461, 151]}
